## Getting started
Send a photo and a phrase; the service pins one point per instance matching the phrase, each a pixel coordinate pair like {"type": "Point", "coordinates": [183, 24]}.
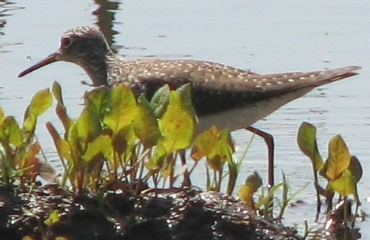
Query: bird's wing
{"type": "Point", "coordinates": [219, 77]}
{"type": "Point", "coordinates": [218, 87]}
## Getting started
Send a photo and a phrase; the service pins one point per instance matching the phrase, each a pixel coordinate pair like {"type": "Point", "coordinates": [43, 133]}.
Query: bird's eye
{"type": "Point", "coordinates": [65, 42]}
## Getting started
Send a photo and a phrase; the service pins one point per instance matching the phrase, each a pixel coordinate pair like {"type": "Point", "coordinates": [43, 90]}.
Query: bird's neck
{"type": "Point", "coordinates": [98, 68]}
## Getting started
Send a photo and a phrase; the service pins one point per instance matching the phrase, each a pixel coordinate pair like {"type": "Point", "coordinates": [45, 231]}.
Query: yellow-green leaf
{"type": "Point", "coordinates": [128, 133]}
{"type": "Point", "coordinates": [52, 218]}
{"type": "Point", "coordinates": [345, 184]}
{"type": "Point", "coordinates": [29, 123]}
{"type": "Point", "coordinates": [57, 92]}
{"type": "Point", "coordinates": [62, 145]}
{"type": "Point", "coordinates": [157, 160]}
{"type": "Point", "coordinates": [220, 154]}
{"type": "Point", "coordinates": [339, 158]}
{"type": "Point", "coordinates": [60, 109]}
{"type": "Point", "coordinates": [101, 145]}
{"type": "Point", "coordinates": [225, 137]}
{"type": "Point", "coordinates": [88, 124]}
{"type": "Point", "coordinates": [176, 125]}
{"type": "Point", "coordinates": [145, 123]}
{"type": "Point", "coordinates": [73, 141]}
{"type": "Point", "coordinates": [233, 175]}
{"type": "Point", "coordinates": [40, 102]}
{"type": "Point", "coordinates": [266, 200]}
{"type": "Point", "coordinates": [204, 143]}
{"type": "Point", "coordinates": [307, 143]}
{"type": "Point", "coordinates": [122, 108]}
{"type": "Point", "coordinates": [216, 162]}
{"type": "Point", "coordinates": [252, 184]}
{"type": "Point", "coordinates": [12, 131]}
{"type": "Point", "coordinates": [100, 98]}
{"type": "Point", "coordinates": [2, 114]}
{"type": "Point", "coordinates": [355, 168]}
{"type": "Point", "coordinates": [64, 149]}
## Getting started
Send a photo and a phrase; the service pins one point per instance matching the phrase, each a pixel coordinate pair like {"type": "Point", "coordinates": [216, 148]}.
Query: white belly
{"type": "Point", "coordinates": [244, 117]}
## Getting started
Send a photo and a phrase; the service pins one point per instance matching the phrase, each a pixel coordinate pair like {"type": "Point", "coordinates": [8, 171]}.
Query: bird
{"type": "Point", "coordinates": [222, 95]}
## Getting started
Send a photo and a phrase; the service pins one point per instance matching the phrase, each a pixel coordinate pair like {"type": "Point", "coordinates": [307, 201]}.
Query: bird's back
{"type": "Point", "coordinates": [217, 87]}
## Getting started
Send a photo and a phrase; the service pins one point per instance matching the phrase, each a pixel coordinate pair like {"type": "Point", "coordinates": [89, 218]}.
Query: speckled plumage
{"type": "Point", "coordinates": [222, 95]}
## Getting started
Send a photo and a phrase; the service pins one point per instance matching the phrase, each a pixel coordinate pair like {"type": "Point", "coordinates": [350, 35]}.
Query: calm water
{"type": "Point", "coordinates": [264, 36]}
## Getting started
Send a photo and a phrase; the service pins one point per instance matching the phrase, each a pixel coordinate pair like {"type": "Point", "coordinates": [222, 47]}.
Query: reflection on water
{"type": "Point", "coordinates": [6, 7]}
{"type": "Point", "coordinates": [105, 14]}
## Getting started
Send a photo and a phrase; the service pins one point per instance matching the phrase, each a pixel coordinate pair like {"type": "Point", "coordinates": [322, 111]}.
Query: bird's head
{"type": "Point", "coordinates": [84, 46]}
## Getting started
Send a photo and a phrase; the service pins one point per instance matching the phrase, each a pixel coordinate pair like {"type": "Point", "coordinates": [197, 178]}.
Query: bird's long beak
{"type": "Point", "coordinates": [50, 59]}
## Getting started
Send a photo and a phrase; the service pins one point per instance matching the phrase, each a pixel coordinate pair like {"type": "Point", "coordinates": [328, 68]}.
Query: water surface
{"type": "Point", "coordinates": [264, 36]}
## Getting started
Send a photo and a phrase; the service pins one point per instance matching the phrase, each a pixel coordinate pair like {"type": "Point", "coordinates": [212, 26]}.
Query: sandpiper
{"type": "Point", "coordinates": [222, 95]}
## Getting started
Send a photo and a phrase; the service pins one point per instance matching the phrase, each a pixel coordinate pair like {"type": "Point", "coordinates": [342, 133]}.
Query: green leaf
{"type": "Point", "coordinates": [220, 154]}
{"type": "Point", "coordinates": [204, 143]}
{"type": "Point", "coordinates": [119, 143]}
{"type": "Point", "coordinates": [225, 137]}
{"type": "Point", "coordinates": [177, 125]}
{"type": "Point", "coordinates": [145, 123]}
{"type": "Point", "coordinates": [73, 141]}
{"type": "Point", "coordinates": [64, 149]}
{"type": "Point", "coordinates": [88, 124]}
{"type": "Point", "coordinates": [186, 96]}
{"type": "Point", "coordinates": [158, 159]}
{"type": "Point", "coordinates": [12, 131]}
{"type": "Point", "coordinates": [233, 175]}
{"type": "Point", "coordinates": [160, 100]}
{"type": "Point", "coordinates": [355, 168]}
{"type": "Point", "coordinates": [52, 218]}
{"type": "Point", "coordinates": [62, 145]}
{"type": "Point", "coordinates": [122, 109]}
{"type": "Point", "coordinates": [101, 145]}
{"type": "Point", "coordinates": [266, 200]}
{"type": "Point", "coordinates": [57, 92]}
{"type": "Point", "coordinates": [60, 109]}
{"type": "Point", "coordinates": [2, 114]}
{"type": "Point", "coordinates": [307, 143]}
{"type": "Point", "coordinates": [128, 134]}
{"type": "Point", "coordinates": [339, 158]}
{"type": "Point", "coordinates": [345, 184]}
{"type": "Point", "coordinates": [100, 99]}
{"type": "Point", "coordinates": [216, 162]}
{"type": "Point", "coordinates": [40, 102]}
{"type": "Point", "coordinates": [215, 145]}
{"type": "Point", "coordinates": [124, 142]}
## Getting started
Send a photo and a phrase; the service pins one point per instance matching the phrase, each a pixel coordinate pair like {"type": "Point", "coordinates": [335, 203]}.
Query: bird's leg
{"type": "Point", "coordinates": [269, 139]}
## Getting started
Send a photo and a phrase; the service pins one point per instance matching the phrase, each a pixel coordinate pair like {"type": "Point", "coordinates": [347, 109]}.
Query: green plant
{"type": "Point", "coordinates": [120, 137]}
{"type": "Point", "coordinates": [341, 170]}
{"type": "Point", "coordinates": [217, 147]}
{"type": "Point", "coordinates": [266, 202]}
{"type": "Point", "coordinates": [19, 148]}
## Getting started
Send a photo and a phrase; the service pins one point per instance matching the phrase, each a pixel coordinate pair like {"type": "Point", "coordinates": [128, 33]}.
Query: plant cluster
{"type": "Point", "coordinates": [121, 137]}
